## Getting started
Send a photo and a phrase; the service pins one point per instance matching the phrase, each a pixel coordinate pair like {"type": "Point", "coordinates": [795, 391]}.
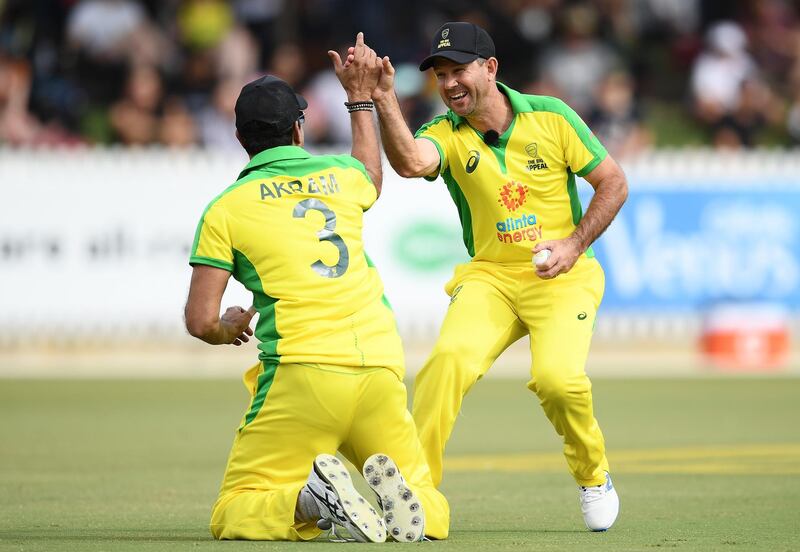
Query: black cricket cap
{"type": "Point", "coordinates": [270, 101]}
{"type": "Point", "coordinates": [460, 42]}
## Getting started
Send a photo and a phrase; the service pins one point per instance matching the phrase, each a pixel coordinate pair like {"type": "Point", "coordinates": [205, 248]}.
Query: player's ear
{"type": "Point", "coordinates": [298, 135]}
{"type": "Point", "coordinates": [491, 67]}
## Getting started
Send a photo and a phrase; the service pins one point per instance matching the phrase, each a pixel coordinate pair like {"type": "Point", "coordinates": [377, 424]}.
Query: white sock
{"type": "Point", "coordinates": [307, 509]}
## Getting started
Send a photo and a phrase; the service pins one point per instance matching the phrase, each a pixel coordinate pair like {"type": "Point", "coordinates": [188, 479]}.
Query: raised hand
{"type": "Point", "coordinates": [361, 71]}
{"type": "Point", "coordinates": [385, 83]}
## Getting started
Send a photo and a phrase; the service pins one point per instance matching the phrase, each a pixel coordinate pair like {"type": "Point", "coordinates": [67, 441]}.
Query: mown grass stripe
{"type": "Point", "coordinates": [783, 459]}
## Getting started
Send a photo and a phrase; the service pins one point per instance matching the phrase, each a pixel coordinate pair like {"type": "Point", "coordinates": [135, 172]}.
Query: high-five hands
{"type": "Point", "coordinates": [386, 81]}
{"type": "Point", "coordinates": [360, 73]}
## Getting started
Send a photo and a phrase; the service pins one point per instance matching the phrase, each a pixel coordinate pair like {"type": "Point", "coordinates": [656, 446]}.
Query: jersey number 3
{"type": "Point", "coordinates": [326, 234]}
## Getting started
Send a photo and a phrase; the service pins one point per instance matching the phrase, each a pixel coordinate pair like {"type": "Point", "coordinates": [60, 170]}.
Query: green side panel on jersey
{"type": "Point", "coordinates": [384, 300]}
{"type": "Point", "coordinates": [575, 205]}
{"type": "Point", "coordinates": [464, 212]}
{"type": "Point", "coordinates": [266, 330]}
{"type": "Point", "coordinates": [263, 385]}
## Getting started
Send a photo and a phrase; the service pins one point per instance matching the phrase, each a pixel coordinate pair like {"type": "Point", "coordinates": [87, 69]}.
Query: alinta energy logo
{"type": "Point", "coordinates": [513, 195]}
{"type": "Point", "coordinates": [520, 227]}
{"type": "Point", "coordinates": [535, 162]}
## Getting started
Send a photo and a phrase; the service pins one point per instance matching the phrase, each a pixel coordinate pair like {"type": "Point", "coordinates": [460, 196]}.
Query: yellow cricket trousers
{"type": "Point", "coordinates": [491, 307]}
{"type": "Point", "coordinates": [302, 410]}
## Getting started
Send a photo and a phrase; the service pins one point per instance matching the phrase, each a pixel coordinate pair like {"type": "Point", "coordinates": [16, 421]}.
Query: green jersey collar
{"type": "Point", "coordinates": [280, 153]}
{"type": "Point", "coordinates": [518, 103]}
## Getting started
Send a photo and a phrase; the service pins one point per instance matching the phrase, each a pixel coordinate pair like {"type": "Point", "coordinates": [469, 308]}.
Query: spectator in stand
{"type": "Point", "coordinates": [135, 117]}
{"type": "Point", "coordinates": [203, 24]}
{"type": "Point", "coordinates": [326, 122]}
{"type": "Point", "coordinates": [17, 126]}
{"type": "Point", "coordinates": [772, 30]}
{"type": "Point", "coordinates": [617, 117]}
{"type": "Point", "coordinates": [177, 128]}
{"type": "Point", "coordinates": [288, 64]}
{"type": "Point", "coordinates": [216, 120]}
{"type": "Point", "coordinates": [108, 36]}
{"type": "Point", "coordinates": [793, 117]}
{"type": "Point", "coordinates": [576, 64]}
{"type": "Point", "coordinates": [78, 53]}
{"type": "Point", "coordinates": [419, 102]}
{"type": "Point", "coordinates": [728, 93]}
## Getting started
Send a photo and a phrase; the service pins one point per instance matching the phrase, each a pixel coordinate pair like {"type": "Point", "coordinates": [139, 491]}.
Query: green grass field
{"type": "Point", "coordinates": [700, 464]}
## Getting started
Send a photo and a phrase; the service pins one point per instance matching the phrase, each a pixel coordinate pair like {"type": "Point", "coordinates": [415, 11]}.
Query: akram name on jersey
{"type": "Point", "coordinates": [276, 190]}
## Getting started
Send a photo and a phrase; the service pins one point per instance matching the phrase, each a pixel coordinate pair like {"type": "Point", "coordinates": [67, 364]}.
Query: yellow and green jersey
{"type": "Point", "coordinates": [289, 229]}
{"type": "Point", "coordinates": [522, 189]}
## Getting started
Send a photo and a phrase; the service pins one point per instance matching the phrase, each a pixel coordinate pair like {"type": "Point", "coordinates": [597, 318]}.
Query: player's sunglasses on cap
{"type": "Point", "coordinates": [460, 42]}
{"type": "Point", "coordinates": [271, 102]}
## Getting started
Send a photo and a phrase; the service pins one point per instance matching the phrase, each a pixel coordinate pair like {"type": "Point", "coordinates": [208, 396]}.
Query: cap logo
{"type": "Point", "coordinates": [444, 42]}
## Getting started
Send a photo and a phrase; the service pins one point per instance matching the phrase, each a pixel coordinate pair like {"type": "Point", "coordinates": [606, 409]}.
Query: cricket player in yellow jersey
{"type": "Point", "coordinates": [509, 161]}
{"type": "Point", "coordinates": [330, 371]}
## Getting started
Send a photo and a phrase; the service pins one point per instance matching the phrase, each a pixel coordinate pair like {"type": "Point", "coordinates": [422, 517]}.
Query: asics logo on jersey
{"type": "Point", "coordinates": [472, 162]}
{"type": "Point", "coordinates": [582, 316]}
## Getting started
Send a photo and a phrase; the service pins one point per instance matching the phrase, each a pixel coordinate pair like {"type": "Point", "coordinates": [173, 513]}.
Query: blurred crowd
{"type": "Point", "coordinates": [642, 73]}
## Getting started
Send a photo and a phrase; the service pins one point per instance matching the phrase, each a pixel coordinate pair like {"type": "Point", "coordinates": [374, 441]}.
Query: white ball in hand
{"type": "Point", "coordinates": [541, 257]}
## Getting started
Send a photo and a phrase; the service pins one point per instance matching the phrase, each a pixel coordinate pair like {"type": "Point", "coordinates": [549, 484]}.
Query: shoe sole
{"type": "Point", "coordinates": [402, 511]}
{"type": "Point", "coordinates": [365, 524]}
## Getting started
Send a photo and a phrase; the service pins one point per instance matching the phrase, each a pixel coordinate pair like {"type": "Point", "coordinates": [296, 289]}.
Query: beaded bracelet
{"type": "Point", "coordinates": [359, 106]}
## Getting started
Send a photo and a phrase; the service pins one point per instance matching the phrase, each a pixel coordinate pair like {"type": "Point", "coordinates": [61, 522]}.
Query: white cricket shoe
{"type": "Point", "coordinates": [599, 505]}
{"type": "Point", "coordinates": [402, 511]}
{"type": "Point", "coordinates": [340, 504]}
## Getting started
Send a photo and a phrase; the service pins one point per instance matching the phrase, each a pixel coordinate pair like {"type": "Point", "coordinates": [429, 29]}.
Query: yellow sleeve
{"type": "Point", "coordinates": [582, 150]}
{"type": "Point", "coordinates": [439, 131]}
{"type": "Point", "coordinates": [212, 241]}
{"type": "Point", "coordinates": [367, 192]}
